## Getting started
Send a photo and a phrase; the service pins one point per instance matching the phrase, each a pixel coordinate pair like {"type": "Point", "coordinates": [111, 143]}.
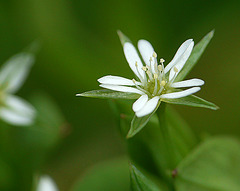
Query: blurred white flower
{"type": "Point", "coordinates": [154, 80]}
{"type": "Point", "coordinates": [46, 184]}
{"type": "Point", "coordinates": [13, 73]}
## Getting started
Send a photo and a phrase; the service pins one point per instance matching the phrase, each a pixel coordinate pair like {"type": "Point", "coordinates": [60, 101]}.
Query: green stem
{"type": "Point", "coordinates": [169, 146]}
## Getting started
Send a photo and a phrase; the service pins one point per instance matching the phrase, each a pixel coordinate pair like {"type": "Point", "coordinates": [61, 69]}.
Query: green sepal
{"type": "Point", "coordinates": [140, 182]}
{"type": "Point", "coordinates": [213, 166]}
{"type": "Point", "coordinates": [193, 101]}
{"type": "Point", "coordinates": [139, 122]}
{"type": "Point", "coordinates": [109, 94]}
{"type": "Point", "coordinates": [195, 56]}
{"type": "Point", "coordinates": [123, 38]}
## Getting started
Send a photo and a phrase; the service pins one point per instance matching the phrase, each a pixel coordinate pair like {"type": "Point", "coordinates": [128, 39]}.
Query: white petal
{"type": "Point", "coordinates": [121, 88]}
{"type": "Point", "coordinates": [149, 107]}
{"type": "Point", "coordinates": [181, 61]}
{"type": "Point", "coordinates": [147, 51]}
{"type": "Point", "coordinates": [178, 54]}
{"type": "Point", "coordinates": [14, 72]}
{"type": "Point", "coordinates": [17, 111]}
{"type": "Point", "coordinates": [188, 83]}
{"type": "Point", "coordinates": [180, 94]}
{"type": "Point", "coordinates": [132, 57]}
{"type": "Point", "coordinates": [46, 184]}
{"type": "Point", "coordinates": [116, 80]}
{"type": "Point", "coordinates": [140, 103]}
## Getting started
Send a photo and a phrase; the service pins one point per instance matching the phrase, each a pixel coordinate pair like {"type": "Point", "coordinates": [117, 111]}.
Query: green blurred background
{"type": "Point", "coordinates": [79, 44]}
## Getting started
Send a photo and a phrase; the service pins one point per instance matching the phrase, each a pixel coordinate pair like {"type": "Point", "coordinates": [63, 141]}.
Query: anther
{"type": "Point", "coordinates": [144, 68]}
{"type": "Point", "coordinates": [134, 81]}
{"type": "Point", "coordinates": [150, 60]}
{"type": "Point", "coordinates": [136, 64]}
{"type": "Point", "coordinates": [162, 60]}
{"type": "Point", "coordinates": [175, 69]}
{"type": "Point", "coordinates": [163, 83]}
{"type": "Point", "coordinates": [154, 55]}
{"type": "Point", "coordinates": [155, 76]}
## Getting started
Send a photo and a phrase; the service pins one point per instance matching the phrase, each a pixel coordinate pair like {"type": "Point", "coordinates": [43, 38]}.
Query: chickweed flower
{"type": "Point", "coordinates": [154, 81]}
{"type": "Point", "coordinates": [13, 109]}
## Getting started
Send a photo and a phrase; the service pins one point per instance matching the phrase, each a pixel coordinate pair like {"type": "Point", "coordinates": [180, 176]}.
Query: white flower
{"type": "Point", "coordinates": [154, 81]}
{"type": "Point", "coordinates": [46, 184]}
{"type": "Point", "coordinates": [13, 109]}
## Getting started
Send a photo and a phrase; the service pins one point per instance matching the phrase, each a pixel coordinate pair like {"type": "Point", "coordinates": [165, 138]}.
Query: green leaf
{"type": "Point", "coordinates": [109, 94]}
{"type": "Point", "coordinates": [195, 55]}
{"type": "Point", "coordinates": [193, 101]}
{"type": "Point", "coordinates": [123, 38]}
{"type": "Point", "coordinates": [139, 182]}
{"type": "Point", "coordinates": [139, 122]}
{"type": "Point", "coordinates": [212, 166]}
{"type": "Point", "coordinates": [107, 176]}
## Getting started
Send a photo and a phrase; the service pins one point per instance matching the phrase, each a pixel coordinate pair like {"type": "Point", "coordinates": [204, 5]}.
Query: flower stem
{"type": "Point", "coordinates": [170, 149]}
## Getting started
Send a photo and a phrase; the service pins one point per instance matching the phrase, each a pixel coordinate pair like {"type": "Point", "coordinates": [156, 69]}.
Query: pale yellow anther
{"type": "Point", "coordinates": [150, 60]}
{"type": "Point", "coordinates": [154, 55]}
{"type": "Point", "coordinates": [175, 69]}
{"type": "Point", "coordinates": [134, 81]}
{"type": "Point", "coordinates": [155, 76]}
{"type": "Point", "coordinates": [162, 60]}
{"type": "Point", "coordinates": [144, 68]}
{"type": "Point", "coordinates": [136, 64]}
{"type": "Point", "coordinates": [160, 68]}
{"type": "Point", "coordinates": [163, 83]}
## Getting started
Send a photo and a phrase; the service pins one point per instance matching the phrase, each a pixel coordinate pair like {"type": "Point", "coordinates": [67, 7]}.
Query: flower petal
{"type": "Point", "coordinates": [116, 80]}
{"type": "Point", "coordinates": [140, 103]}
{"type": "Point", "coordinates": [181, 61]}
{"type": "Point", "coordinates": [121, 88]}
{"type": "Point", "coordinates": [14, 71]}
{"type": "Point", "coordinates": [132, 57]}
{"type": "Point", "coordinates": [181, 93]}
{"type": "Point", "coordinates": [17, 111]}
{"type": "Point", "coordinates": [147, 51]}
{"type": "Point", "coordinates": [178, 54]}
{"type": "Point", "coordinates": [149, 107]}
{"type": "Point", "coordinates": [188, 83]}
{"type": "Point", "coordinates": [46, 184]}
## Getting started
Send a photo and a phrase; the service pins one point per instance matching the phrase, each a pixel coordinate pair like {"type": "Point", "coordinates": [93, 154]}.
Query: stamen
{"type": "Point", "coordinates": [156, 84]}
{"type": "Point", "coordinates": [150, 60]}
{"type": "Point", "coordinates": [160, 68]}
{"type": "Point", "coordinates": [140, 76]}
{"type": "Point", "coordinates": [155, 76]}
{"type": "Point", "coordinates": [138, 87]}
{"type": "Point", "coordinates": [144, 68]}
{"type": "Point", "coordinates": [162, 60]}
{"type": "Point", "coordinates": [163, 83]}
{"type": "Point", "coordinates": [154, 55]}
{"type": "Point", "coordinates": [149, 75]}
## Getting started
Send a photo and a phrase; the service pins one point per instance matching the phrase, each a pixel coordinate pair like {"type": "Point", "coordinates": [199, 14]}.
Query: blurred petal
{"type": "Point", "coordinates": [121, 88]}
{"type": "Point", "coordinates": [132, 57]}
{"type": "Point", "coordinates": [116, 80]}
{"type": "Point", "coordinates": [140, 103]}
{"type": "Point", "coordinates": [178, 54]}
{"type": "Point", "coordinates": [147, 51]}
{"type": "Point", "coordinates": [181, 61]}
{"type": "Point", "coordinates": [17, 111]}
{"type": "Point", "coordinates": [149, 107]}
{"type": "Point", "coordinates": [46, 184]}
{"type": "Point", "coordinates": [181, 93]}
{"type": "Point", "coordinates": [14, 72]}
{"type": "Point", "coordinates": [188, 83]}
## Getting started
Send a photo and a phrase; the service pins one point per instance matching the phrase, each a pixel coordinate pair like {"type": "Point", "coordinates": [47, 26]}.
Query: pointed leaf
{"type": "Point", "coordinates": [139, 122]}
{"type": "Point", "coordinates": [195, 55]}
{"type": "Point", "coordinates": [123, 38]}
{"type": "Point", "coordinates": [213, 166]}
{"type": "Point", "coordinates": [109, 94]}
{"type": "Point", "coordinates": [193, 101]}
{"type": "Point", "coordinates": [139, 182]}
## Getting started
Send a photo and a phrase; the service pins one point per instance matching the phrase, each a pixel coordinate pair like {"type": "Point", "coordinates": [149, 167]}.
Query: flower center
{"type": "Point", "coordinates": [156, 82]}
